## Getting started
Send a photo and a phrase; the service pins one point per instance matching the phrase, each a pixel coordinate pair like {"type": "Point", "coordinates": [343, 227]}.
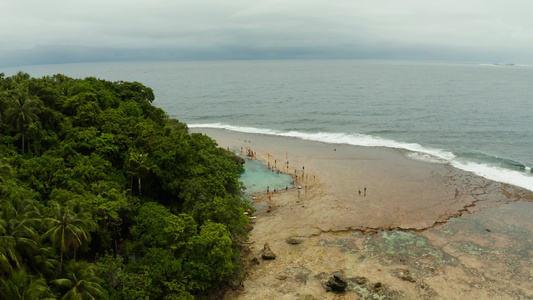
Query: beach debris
{"type": "Point", "coordinates": [255, 261]}
{"type": "Point", "coordinates": [337, 283]}
{"type": "Point", "coordinates": [268, 254]}
{"type": "Point", "coordinates": [294, 241]}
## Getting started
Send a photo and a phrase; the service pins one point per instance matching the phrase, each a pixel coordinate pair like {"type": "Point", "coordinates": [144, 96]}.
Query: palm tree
{"type": "Point", "coordinates": [18, 237]}
{"type": "Point", "coordinates": [137, 167]}
{"type": "Point", "coordinates": [81, 281]}
{"type": "Point", "coordinates": [20, 285]}
{"type": "Point", "coordinates": [8, 253]}
{"type": "Point", "coordinates": [22, 110]}
{"type": "Point", "coordinates": [43, 262]}
{"type": "Point", "coordinates": [68, 227]}
{"type": "Point", "coordinates": [5, 171]}
{"type": "Point", "coordinates": [3, 103]}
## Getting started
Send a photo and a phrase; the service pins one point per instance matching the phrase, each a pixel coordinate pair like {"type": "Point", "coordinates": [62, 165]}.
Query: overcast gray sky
{"type": "Point", "coordinates": [52, 31]}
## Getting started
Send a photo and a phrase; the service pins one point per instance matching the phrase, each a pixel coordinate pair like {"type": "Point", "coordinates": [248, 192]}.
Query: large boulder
{"type": "Point", "coordinates": [268, 254]}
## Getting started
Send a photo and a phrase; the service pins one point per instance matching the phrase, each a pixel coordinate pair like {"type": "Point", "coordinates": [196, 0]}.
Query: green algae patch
{"type": "Point", "coordinates": [346, 245]}
{"type": "Point", "coordinates": [473, 248]}
{"type": "Point", "coordinates": [465, 228]}
{"type": "Point", "coordinates": [399, 242]}
{"type": "Point", "coordinates": [406, 248]}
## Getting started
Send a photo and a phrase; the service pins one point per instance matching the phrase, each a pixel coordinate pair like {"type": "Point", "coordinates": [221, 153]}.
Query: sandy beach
{"type": "Point", "coordinates": [422, 230]}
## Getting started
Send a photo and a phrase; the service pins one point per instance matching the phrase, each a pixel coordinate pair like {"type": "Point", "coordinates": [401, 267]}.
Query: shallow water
{"type": "Point", "coordinates": [257, 177]}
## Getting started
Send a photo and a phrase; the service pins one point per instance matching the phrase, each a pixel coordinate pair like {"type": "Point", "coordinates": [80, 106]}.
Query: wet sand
{"type": "Point", "coordinates": [409, 237]}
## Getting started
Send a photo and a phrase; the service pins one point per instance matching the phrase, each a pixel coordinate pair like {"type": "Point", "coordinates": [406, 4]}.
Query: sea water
{"type": "Point", "coordinates": [476, 117]}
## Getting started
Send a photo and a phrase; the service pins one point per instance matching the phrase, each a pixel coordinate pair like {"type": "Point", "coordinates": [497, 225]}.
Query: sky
{"type": "Point", "coordinates": [66, 31]}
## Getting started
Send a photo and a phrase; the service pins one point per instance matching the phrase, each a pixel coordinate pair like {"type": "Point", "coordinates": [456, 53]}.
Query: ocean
{"type": "Point", "coordinates": [476, 117]}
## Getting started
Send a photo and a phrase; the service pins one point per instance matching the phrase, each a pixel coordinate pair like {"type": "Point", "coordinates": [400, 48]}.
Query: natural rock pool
{"type": "Point", "coordinates": [257, 177]}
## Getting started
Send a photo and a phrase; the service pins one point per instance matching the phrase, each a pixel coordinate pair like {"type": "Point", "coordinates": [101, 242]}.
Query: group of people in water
{"type": "Point", "coordinates": [250, 154]}
{"type": "Point", "coordinates": [253, 155]}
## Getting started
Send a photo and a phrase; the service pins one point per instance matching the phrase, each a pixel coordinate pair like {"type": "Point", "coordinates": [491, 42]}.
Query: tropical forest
{"type": "Point", "coordinates": [103, 196]}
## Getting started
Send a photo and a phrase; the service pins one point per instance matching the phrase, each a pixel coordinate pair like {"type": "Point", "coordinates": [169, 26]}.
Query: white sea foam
{"type": "Point", "coordinates": [418, 152]}
{"type": "Point", "coordinates": [234, 128]}
{"type": "Point", "coordinates": [427, 158]}
{"type": "Point", "coordinates": [518, 178]}
{"type": "Point", "coordinates": [430, 155]}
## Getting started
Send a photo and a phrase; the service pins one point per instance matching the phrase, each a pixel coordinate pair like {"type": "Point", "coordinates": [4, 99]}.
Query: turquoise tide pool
{"type": "Point", "coordinates": [257, 177]}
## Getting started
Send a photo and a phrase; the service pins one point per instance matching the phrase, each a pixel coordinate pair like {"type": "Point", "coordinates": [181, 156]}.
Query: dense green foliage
{"type": "Point", "coordinates": [102, 196]}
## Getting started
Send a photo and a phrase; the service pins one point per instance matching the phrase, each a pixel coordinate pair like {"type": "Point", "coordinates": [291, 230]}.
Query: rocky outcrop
{"type": "Point", "coordinates": [337, 283]}
{"type": "Point", "coordinates": [294, 241]}
{"type": "Point", "coordinates": [360, 280]}
{"type": "Point", "coordinates": [378, 286]}
{"type": "Point", "coordinates": [406, 276]}
{"type": "Point", "coordinates": [268, 254]}
{"type": "Point", "coordinates": [237, 159]}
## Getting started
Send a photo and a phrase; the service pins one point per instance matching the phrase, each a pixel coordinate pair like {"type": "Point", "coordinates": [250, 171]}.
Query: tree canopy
{"type": "Point", "coordinates": [103, 196]}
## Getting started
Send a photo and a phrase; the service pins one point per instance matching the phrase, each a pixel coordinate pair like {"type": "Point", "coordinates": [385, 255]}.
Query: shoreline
{"type": "Point", "coordinates": [403, 193]}
{"type": "Point", "coordinates": [407, 201]}
{"type": "Point", "coordinates": [521, 178]}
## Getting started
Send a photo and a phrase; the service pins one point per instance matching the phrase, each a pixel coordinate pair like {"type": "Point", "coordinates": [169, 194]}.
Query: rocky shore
{"type": "Point", "coordinates": [374, 223]}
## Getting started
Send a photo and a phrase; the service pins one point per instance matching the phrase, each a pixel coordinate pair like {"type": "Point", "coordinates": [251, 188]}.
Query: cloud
{"type": "Point", "coordinates": [74, 30]}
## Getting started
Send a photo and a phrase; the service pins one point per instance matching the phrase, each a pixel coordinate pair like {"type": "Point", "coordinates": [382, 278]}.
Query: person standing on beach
{"type": "Point", "coordinates": [365, 191]}
{"type": "Point", "coordinates": [359, 192]}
